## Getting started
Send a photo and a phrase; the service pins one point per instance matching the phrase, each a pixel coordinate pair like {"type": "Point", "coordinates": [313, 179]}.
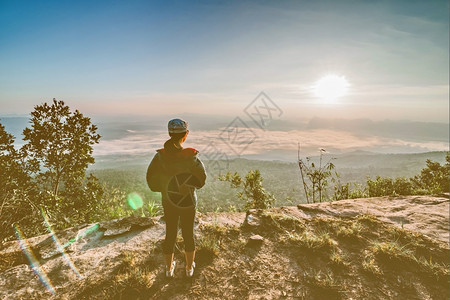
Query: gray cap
{"type": "Point", "coordinates": [177, 126]}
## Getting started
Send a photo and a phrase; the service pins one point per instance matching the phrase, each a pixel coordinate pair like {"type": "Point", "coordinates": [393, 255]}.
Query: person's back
{"type": "Point", "coordinates": [166, 164]}
{"type": "Point", "coordinates": [176, 172]}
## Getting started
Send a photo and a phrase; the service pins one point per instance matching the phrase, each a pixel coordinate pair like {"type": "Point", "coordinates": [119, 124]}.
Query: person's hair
{"type": "Point", "coordinates": [169, 145]}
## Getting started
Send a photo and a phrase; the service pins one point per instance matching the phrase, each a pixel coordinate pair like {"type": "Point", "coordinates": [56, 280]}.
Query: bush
{"type": "Point", "coordinates": [253, 192]}
{"type": "Point", "coordinates": [380, 187]}
{"type": "Point", "coordinates": [434, 178]}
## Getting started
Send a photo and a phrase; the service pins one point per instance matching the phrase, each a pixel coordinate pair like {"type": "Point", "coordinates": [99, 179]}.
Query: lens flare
{"type": "Point", "coordinates": [59, 247]}
{"type": "Point", "coordinates": [88, 231]}
{"type": "Point", "coordinates": [34, 263]}
{"type": "Point", "coordinates": [134, 201]}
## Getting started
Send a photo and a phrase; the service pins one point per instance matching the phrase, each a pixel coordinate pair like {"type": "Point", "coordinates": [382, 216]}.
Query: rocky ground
{"type": "Point", "coordinates": [375, 248]}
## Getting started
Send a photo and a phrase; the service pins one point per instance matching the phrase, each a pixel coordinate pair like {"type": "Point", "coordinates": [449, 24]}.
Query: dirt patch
{"type": "Point", "coordinates": [379, 248]}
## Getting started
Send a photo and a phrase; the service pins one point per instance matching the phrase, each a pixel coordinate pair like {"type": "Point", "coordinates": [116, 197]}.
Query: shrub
{"type": "Point", "coordinates": [253, 192]}
{"type": "Point", "coordinates": [434, 178]}
{"type": "Point", "coordinates": [380, 187]}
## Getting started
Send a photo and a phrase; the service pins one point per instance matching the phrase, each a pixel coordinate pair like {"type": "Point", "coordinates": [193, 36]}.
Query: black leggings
{"type": "Point", "coordinates": [186, 217]}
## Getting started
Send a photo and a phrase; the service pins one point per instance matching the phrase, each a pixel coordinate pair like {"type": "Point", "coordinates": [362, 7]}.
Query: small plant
{"type": "Point", "coordinates": [232, 208]}
{"type": "Point", "coordinates": [369, 265]}
{"type": "Point", "coordinates": [338, 259]}
{"type": "Point", "coordinates": [281, 222]}
{"type": "Point", "coordinates": [392, 250]}
{"type": "Point", "coordinates": [380, 187]}
{"type": "Point", "coordinates": [253, 192]}
{"type": "Point", "coordinates": [432, 268]}
{"type": "Point", "coordinates": [358, 191]}
{"type": "Point", "coordinates": [312, 241]}
{"type": "Point", "coordinates": [368, 219]}
{"type": "Point", "coordinates": [324, 285]}
{"type": "Point", "coordinates": [317, 176]}
{"type": "Point", "coordinates": [349, 229]}
{"type": "Point", "coordinates": [132, 274]}
{"type": "Point", "coordinates": [154, 209]}
{"type": "Point", "coordinates": [209, 243]}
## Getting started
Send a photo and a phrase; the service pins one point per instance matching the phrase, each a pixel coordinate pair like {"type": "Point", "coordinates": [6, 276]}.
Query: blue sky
{"type": "Point", "coordinates": [148, 57]}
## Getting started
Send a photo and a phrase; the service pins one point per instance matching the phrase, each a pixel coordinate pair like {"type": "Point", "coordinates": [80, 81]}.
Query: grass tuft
{"type": "Point", "coordinates": [368, 219]}
{"type": "Point", "coordinates": [324, 285]}
{"type": "Point", "coordinates": [281, 222]}
{"type": "Point", "coordinates": [437, 270]}
{"type": "Point", "coordinates": [369, 265]}
{"type": "Point", "coordinates": [311, 241]}
{"type": "Point", "coordinates": [392, 251]}
{"type": "Point", "coordinates": [209, 243]}
{"type": "Point", "coordinates": [338, 260]}
{"type": "Point", "coordinates": [132, 274]}
{"type": "Point", "coordinates": [349, 229]}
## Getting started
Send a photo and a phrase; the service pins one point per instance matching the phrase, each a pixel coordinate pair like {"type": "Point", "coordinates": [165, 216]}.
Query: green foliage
{"type": "Point", "coordinates": [380, 187]}
{"type": "Point", "coordinates": [16, 190]}
{"type": "Point", "coordinates": [112, 204]}
{"type": "Point", "coordinates": [434, 178]}
{"type": "Point", "coordinates": [154, 209]}
{"type": "Point", "coordinates": [358, 191]}
{"type": "Point", "coordinates": [253, 193]}
{"type": "Point", "coordinates": [58, 151]}
{"type": "Point", "coordinates": [317, 178]}
{"type": "Point", "coordinates": [59, 144]}
{"type": "Point", "coordinates": [49, 172]}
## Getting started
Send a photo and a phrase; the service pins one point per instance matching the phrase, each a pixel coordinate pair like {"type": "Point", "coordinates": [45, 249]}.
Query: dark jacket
{"type": "Point", "coordinates": [165, 165]}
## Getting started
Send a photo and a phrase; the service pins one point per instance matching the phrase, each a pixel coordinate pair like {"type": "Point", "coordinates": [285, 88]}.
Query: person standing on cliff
{"type": "Point", "coordinates": [177, 172]}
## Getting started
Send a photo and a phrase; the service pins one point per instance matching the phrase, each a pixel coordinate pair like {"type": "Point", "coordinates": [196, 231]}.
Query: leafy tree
{"type": "Point", "coordinates": [15, 190]}
{"type": "Point", "coordinates": [10, 170]}
{"type": "Point", "coordinates": [434, 178]}
{"type": "Point", "coordinates": [59, 150]}
{"type": "Point", "coordinates": [253, 192]}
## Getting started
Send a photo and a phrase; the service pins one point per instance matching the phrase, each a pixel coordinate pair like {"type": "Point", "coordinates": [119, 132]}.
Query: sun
{"type": "Point", "coordinates": [330, 88]}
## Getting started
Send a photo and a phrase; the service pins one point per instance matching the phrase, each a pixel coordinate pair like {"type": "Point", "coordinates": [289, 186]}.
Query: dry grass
{"type": "Point", "coordinates": [132, 273]}
{"type": "Point", "coordinates": [309, 240]}
{"type": "Point", "coordinates": [370, 266]}
{"type": "Point", "coordinates": [338, 259]}
{"type": "Point", "coordinates": [281, 222]}
{"type": "Point", "coordinates": [209, 243]}
{"type": "Point", "coordinates": [323, 285]}
{"type": "Point", "coordinates": [440, 271]}
{"type": "Point", "coordinates": [315, 258]}
{"type": "Point", "coordinates": [349, 229]}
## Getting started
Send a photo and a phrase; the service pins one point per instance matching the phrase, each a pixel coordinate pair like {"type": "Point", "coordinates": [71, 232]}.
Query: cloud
{"type": "Point", "coordinates": [334, 141]}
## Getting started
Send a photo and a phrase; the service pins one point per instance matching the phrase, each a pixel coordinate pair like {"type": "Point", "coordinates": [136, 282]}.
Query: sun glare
{"type": "Point", "coordinates": [330, 87]}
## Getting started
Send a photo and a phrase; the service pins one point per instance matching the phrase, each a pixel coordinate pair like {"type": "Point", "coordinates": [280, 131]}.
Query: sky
{"type": "Point", "coordinates": [214, 57]}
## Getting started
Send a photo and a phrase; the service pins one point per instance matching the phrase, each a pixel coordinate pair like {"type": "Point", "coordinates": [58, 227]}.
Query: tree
{"type": "Point", "coordinates": [15, 189]}
{"type": "Point", "coordinates": [9, 167]}
{"type": "Point", "coordinates": [435, 177]}
{"type": "Point", "coordinates": [58, 151]}
{"type": "Point", "coordinates": [253, 192]}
